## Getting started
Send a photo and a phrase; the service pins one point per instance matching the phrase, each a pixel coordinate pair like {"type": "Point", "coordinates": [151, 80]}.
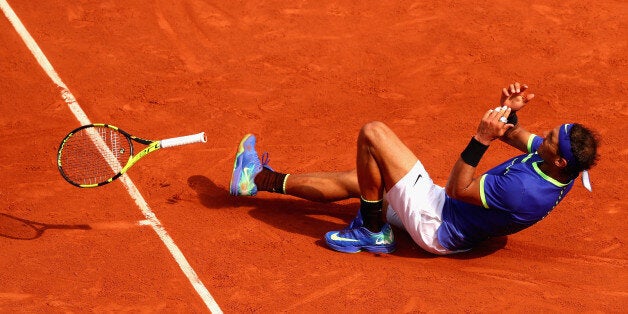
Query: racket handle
{"type": "Point", "coordinates": [184, 140]}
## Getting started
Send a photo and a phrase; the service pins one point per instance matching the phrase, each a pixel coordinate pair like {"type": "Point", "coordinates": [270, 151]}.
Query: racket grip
{"type": "Point", "coordinates": [184, 140]}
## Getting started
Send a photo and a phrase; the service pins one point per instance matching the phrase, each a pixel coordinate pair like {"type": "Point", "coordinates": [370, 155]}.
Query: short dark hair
{"type": "Point", "coordinates": [584, 144]}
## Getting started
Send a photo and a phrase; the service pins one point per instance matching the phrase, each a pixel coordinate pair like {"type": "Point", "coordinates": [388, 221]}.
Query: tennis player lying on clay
{"type": "Point", "coordinates": [471, 208]}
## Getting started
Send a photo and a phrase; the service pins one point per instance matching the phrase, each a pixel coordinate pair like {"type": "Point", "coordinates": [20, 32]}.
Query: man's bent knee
{"type": "Point", "coordinates": [375, 132]}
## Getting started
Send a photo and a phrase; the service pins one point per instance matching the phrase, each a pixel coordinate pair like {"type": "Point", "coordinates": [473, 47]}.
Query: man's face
{"type": "Point", "coordinates": [549, 148]}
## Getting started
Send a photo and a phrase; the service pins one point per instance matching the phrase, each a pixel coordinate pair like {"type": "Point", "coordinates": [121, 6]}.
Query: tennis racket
{"type": "Point", "coordinates": [96, 154]}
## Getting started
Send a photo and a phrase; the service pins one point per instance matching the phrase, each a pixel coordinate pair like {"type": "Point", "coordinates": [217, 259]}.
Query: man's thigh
{"type": "Point", "coordinates": [394, 158]}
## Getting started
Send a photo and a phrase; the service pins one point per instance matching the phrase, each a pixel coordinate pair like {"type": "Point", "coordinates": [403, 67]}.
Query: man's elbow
{"type": "Point", "coordinates": [452, 191]}
{"type": "Point", "coordinates": [458, 193]}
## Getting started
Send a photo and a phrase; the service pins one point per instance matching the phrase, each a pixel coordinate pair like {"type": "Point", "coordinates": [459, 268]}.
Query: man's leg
{"type": "Point", "coordinates": [382, 160]}
{"type": "Point", "coordinates": [250, 175]}
{"type": "Point", "coordinates": [324, 186]}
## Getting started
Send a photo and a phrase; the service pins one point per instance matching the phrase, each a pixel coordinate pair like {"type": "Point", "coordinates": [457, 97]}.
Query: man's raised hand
{"type": "Point", "coordinates": [515, 96]}
{"type": "Point", "coordinates": [493, 125]}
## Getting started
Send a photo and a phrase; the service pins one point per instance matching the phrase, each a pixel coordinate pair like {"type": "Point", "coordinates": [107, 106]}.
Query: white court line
{"type": "Point", "coordinates": [80, 115]}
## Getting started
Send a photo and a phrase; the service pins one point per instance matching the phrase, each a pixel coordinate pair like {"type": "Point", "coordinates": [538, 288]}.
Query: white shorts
{"type": "Point", "coordinates": [417, 206]}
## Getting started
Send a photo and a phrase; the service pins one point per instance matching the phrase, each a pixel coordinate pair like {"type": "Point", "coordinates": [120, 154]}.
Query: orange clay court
{"type": "Point", "coordinates": [303, 76]}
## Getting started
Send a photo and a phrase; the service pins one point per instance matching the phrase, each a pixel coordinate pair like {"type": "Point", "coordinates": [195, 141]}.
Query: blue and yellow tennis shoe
{"type": "Point", "coordinates": [245, 167]}
{"type": "Point", "coordinates": [358, 239]}
{"type": "Point", "coordinates": [357, 222]}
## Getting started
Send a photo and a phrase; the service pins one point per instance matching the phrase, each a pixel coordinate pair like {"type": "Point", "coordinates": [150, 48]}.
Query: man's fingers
{"type": "Point", "coordinates": [528, 97]}
{"type": "Point", "coordinates": [505, 92]}
{"type": "Point", "coordinates": [507, 112]}
{"type": "Point", "coordinates": [495, 114]}
{"type": "Point", "coordinates": [506, 125]}
{"type": "Point", "coordinates": [487, 114]}
{"type": "Point", "coordinates": [503, 114]}
{"type": "Point", "coordinates": [514, 88]}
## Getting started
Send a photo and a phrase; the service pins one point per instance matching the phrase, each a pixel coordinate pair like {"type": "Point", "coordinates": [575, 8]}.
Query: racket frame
{"type": "Point", "coordinates": [151, 147]}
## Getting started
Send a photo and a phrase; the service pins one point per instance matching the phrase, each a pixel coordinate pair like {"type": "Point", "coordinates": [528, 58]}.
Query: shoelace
{"type": "Point", "coordinates": [358, 223]}
{"type": "Point", "coordinates": [265, 160]}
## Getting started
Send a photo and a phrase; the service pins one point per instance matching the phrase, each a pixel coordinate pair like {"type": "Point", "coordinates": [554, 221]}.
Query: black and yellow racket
{"type": "Point", "coordinates": [96, 154]}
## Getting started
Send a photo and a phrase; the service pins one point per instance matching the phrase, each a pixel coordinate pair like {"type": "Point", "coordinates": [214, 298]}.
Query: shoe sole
{"type": "Point", "coordinates": [237, 167]}
{"type": "Point", "coordinates": [368, 248]}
